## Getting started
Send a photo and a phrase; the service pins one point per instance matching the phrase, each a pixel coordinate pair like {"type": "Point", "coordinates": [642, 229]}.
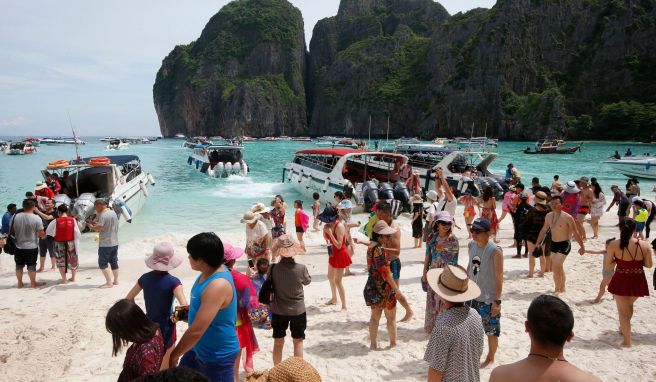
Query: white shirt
{"type": "Point", "coordinates": [255, 234]}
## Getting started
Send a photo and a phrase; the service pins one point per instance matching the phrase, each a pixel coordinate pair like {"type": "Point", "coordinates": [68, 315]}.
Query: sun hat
{"type": "Point", "coordinates": [293, 369]}
{"type": "Point", "coordinates": [285, 246]}
{"type": "Point", "coordinates": [230, 252]}
{"type": "Point", "coordinates": [482, 224]}
{"type": "Point", "coordinates": [431, 195]}
{"type": "Point", "coordinates": [259, 208]}
{"type": "Point", "coordinates": [249, 217]}
{"type": "Point", "coordinates": [345, 205]}
{"type": "Point", "coordinates": [416, 198]}
{"type": "Point", "coordinates": [40, 186]}
{"type": "Point", "coordinates": [541, 198]}
{"type": "Point", "coordinates": [443, 216]}
{"type": "Point", "coordinates": [382, 228]}
{"type": "Point", "coordinates": [571, 188]}
{"type": "Point", "coordinates": [163, 258]}
{"type": "Point", "coordinates": [512, 188]}
{"type": "Point", "coordinates": [328, 215]}
{"type": "Point", "coordinates": [452, 284]}
{"type": "Point", "coordinates": [636, 199]}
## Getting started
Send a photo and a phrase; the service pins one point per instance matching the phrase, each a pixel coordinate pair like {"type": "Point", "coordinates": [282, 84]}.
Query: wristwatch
{"type": "Point", "coordinates": [498, 302]}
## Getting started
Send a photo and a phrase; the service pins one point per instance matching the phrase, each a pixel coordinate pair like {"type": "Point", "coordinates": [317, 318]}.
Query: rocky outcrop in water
{"type": "Point", "coordinates": [521, 70]}
{"type": "Point", "coordinates": [243, 76]}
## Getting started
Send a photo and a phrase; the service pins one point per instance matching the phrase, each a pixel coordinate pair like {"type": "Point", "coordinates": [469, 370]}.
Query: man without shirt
{"type": "Point", "coordinates": [549, 325]}
{"type": "Point", "coordinates": [384, 212]}
{"type": "Point", "coordinates": [587, 197]}
{"type": "Point", "coordinates": [562, 227]}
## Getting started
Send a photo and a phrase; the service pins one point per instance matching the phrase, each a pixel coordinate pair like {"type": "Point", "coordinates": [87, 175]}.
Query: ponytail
{"type": "Point", "coordinates": [627, 228]}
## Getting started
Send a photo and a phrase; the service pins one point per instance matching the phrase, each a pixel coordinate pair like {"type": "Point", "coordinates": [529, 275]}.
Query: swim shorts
{"type": "Point", "coordinates": [584, 210]}
{"type": "Point", "coordinates": [491, 325]}
{"type": "Point", "coordinates": [296, 324]}
{"type": "Point", "coordinates": [26, 257]}
{"type": "Point", "coordinates": [300, 229]}
{"type": "Point", "coordinates": [395, 267]}
{"type": "Point", "coordinates": [640, 227]}
{"type": "Point", "coordinates": [65, 254]}
{"type": "Point", "coordinates": [562, 247]}
{"type": "Point", "coordinates": [108, 255]}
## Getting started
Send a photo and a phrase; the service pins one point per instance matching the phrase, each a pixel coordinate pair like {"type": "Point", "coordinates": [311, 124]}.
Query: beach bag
{"type": "Point", "coordinates": [266, 292]}
{"type": "Point", "coordinates": [305, 220]}
{"type": "Point", "coordinates": [10, 242]}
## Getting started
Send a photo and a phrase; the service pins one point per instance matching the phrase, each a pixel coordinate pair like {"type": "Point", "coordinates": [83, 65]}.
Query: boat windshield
{"type": "Point", "coordinates": [322, 162]}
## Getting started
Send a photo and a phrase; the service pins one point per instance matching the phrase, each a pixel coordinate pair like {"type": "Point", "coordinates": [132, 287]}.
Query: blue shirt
{"type": "Point", "coordinates": [220, 338]}
{"type": "Point", "coordinates": [158, 294]}
{"type": "Point", "coordinates": [6, 220]}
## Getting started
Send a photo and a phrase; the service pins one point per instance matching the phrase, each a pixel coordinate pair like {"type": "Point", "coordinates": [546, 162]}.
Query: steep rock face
{"type": "Point", "coordinates": [520, 70]}
{"type": "Point", "coordinates": [244, 75]}
{"type": "Point", "coordinates": [368, 61]}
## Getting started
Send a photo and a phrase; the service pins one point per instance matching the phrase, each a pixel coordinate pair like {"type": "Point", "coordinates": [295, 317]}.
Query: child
{"type": "Point", "coordinates": [470, 211]}
{"type": "Point", "coordinates": [607, 274]}
{"type": "Point", "coordinates": [159, 288]}
{"type": "Point", "coordinates": [417, 219]}
{"type": "Point", "coordinates": [640, 215]}
{"type": "Point", "coordinates": [302, 221]}
{"type": "Point", "coordinates": [506, 205]}
{"type": "Point", "coordinates": [260, 316]}
{"type": "Point", "coordinates": [316, 210]}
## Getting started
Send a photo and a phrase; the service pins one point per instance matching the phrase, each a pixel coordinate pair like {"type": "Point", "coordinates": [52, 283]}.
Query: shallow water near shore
{"type": "Point", "coordinates": [184, 202]}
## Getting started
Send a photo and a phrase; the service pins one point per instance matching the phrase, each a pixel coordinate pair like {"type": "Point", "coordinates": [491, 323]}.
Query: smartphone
{"type": "Point", "coordinates": [251, 263]}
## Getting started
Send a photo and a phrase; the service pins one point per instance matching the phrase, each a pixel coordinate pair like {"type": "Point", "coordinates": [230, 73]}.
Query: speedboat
{"type": "Point", "coordinates": [640, 167]}
{"type": "Point", "coordinates": [179, 136]}
{"type": "Point", "coordinates": [107, 139]}
{"type": "Point", "coordinates": [62, 141]}
{"type": "Point", "coordinates": [365, 175]}
{"type": "Point", "coordinates": [269, 139]}
{"type": "Point", "coordinates": [34, 141]}
{"type": "Point", "coordinates": [21, 148]}
{"type": "Point", "coordinates": [4, 147]}
{"type": "Point", "coordinates": [219, 161]}
{"type": "Point", "coordinates": [118, 144]}
{"type": "Point", "coordinates": [192, 143]}
{"type": "Point", "coordinates": [119, 179]}
{"type": "Point", "coordinates": [246, 139]}
{"type": "Point", "coordinates": [407, 141]}
{"type": "Point", "coordinates": [302, 139]}
{"type": "Point", "coordinates": [341, 143]}
{"type": "Point", "coordinates": [284, 138]}
{"type": "Point", "coordinates": [476, 142]}
{"type": "Point", "coordinates": [463, 169]}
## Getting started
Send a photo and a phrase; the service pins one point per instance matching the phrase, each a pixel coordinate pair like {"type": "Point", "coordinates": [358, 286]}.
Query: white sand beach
{"type": "Point", "coordinates": [57, 333]}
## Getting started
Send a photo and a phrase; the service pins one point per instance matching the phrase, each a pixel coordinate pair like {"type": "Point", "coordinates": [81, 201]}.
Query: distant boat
{"type": "Point", "coordinates": [284, 138]}
{"type": "Point", "coordinates": [191, 143]}
{"type": "Point", "coordinates": [341, 143]}
{"type": "Point", "coordinates": [107, 139]}
{"type": "Point", "coordinates": [302, 139]}
{"type": "Point", "coordinates": [640, 167]}
{"type": "Point", "coordinates": [179, 136]}
{"type": "Point", "coordinates": [34, 141]}
{"type": "Point", "coordinates": [552, 146]}
{"type": "Point", "coordinates": [269, 139]}
{"type": "Point", "coordinates": [21, 148]}
{"type": "Point", "coordinates": [219, 161]}
{"type": "Point", "coordinates": [4, 147]}
{"type": "Point", "coordinates": [118, 144]}
{"type": "Point", "coordinates": [62, 141]}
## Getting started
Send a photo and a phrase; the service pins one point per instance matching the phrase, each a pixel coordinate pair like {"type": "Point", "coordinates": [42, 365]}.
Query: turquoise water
{"type": "Point", "coordinates": [185, 201]}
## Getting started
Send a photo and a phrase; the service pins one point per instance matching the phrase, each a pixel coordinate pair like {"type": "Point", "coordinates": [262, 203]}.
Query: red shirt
{"type": "Point", "coordinates": [45, 192]}
{"type": "Point", "coordinates": [143, 359]}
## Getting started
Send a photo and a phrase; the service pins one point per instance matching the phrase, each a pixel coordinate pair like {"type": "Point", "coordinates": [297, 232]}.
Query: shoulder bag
{"type": "Point", "coordinates": [266, 292]}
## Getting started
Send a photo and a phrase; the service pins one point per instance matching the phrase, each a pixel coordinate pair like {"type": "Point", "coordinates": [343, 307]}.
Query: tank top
{"type": "Point", "coordinates": [66, 229]}
{"type": "Point", "coordinates": [483, 274]}
{"type": "Point", "coordinates": [220, 339]}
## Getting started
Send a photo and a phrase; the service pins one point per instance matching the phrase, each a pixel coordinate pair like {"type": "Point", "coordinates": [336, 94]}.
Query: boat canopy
{"type": "Point", "coordinates": [118, 160]}
{"type": "Point", "coordinates": [333, 152]}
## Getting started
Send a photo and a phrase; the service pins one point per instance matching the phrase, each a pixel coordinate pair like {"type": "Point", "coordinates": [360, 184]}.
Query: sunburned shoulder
{"type": "Point", "coordinates": [526, 371]}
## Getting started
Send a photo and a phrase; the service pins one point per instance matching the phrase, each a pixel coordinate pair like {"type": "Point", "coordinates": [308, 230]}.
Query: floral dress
{"type": "Point", "coordinates": [378, 292]}
{"type": "Point", "coordinates": [442, 251]}
{"type": "Point", "coordinates": [278, 217]}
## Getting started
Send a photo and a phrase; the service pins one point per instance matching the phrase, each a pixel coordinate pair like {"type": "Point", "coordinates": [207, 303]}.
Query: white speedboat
{"type": "Point", "coordinates": [367, 175]}
{"type": "Point", "coordinates": [62, 141]}
{"type": "Point", "coordinates": [219, 161]}
{"type": "Point", "coordinates": [107, 139]}
{"type": "Point", "coordinates": [341, 143]}
{"type": "Point", "coordinates": [4, 147]}
{"type": "Point", "coordinates": [195, 141]}
{"type": "Point", "coordinates": [21, 148]}
{"type": "Point", "coordinates": [302, 139]}
{"type": "Point", "coordinates": [118, 144]}
{"type": "Point", "coordinates": [179, 136]}
{"type": "Point", "coordinates": [119, 179]}
{"type": "Point", "coordinates": [476, 142]}
{"type": "Point", "coordinates": [640, 167]}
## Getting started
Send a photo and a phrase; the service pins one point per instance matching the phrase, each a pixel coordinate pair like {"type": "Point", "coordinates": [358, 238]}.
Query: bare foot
{"type": "Point", "coordinates": [487, 363]}
{"type": "Point", "coordinates": [64, 281]}
{"type": "Point", "coordinates": [374, 347]}
{"type": "Point", "coordinates": [541, 274]}
{"type": "Point", "coordinates": [72, 279]}
{"type": "Point", "coordinates": [392, 346]}
{"type": "Point", "coordinates": [530, 276]}
{"type": "Point", "coordinates": [39, 270]}
{"type": "Point", "coordinates": [115, 282]}
{"type": "Point", "coordinates": [624, 344]}
{"type": "Point", "coordinates": [349, 273]}
{"type": "Point", "coordinates": [21, 285]}
{"type": "Point", "coordinates": [408, 316]}
{"type": "Point", "coordinates": [344, 309]}
{"type": "Point", "coordinates": [106, 286]}
{"type": "Point", "coordinates": [37, 284]}
{"type": "Point", "coordinates": [331, 302]}
{"type": "Point", "coordinates": [596, 301]}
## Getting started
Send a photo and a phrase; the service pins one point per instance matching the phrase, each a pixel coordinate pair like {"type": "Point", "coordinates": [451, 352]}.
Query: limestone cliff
{"type": "Point", "coordinates": [244, 75]}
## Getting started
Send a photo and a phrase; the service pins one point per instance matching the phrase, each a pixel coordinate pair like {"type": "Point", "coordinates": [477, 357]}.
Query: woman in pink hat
{"type": "Point", "coordinates": [159, 288]}
{"type": "Point", "coordinates": [246, 300]}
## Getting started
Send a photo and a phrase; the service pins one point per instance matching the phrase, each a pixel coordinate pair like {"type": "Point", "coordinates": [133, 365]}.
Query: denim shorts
{"type": "Point", "coordinates": [222, 370]}
{"type": "Point", "coordinates": [108, 255]}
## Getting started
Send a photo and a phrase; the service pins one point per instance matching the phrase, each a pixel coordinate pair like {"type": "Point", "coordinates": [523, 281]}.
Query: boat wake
{"type": "Point", "coordinates": [238, 187]}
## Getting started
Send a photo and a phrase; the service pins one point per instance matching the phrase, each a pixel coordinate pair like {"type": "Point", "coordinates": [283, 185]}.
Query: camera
{"type": "Point", "coordinates": [181, 313]}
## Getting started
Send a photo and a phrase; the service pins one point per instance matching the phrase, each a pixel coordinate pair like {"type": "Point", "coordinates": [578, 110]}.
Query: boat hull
{"type": "Point", "coordinates": [569, 150]}
{"type": "Point", "coordinates": [645, 169]}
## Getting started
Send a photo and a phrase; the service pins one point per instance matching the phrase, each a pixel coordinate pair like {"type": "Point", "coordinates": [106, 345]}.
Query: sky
{"type": "Point", "coordinates": [97, 60]}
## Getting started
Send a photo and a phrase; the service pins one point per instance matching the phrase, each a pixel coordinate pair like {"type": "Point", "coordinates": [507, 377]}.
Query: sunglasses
{"type": "Point", "coordinates": [445, 223]}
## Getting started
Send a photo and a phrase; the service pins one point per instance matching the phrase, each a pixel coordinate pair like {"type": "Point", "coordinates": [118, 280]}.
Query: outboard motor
{"type": "Point", "coordinates": [83, 207]}
{"type": "Point", "coordinates": [220, 167]}
{"type": "Point", "coordinates": [369, 194]}
{"type": "Point", "coordinates": [236, 168]}
{"type": "Point", "coordinates": [122, 209]}
{"type": "Point", "coordinates": [385, 191]}
{"type": "Point", "coordinates": [63, 199]}
{"type": "Point", "coordinates": [228, 168]}
{"type": "Point", "coordinates": [402, 194]}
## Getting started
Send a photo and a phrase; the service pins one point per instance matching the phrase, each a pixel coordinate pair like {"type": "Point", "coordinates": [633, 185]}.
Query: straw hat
{"type": "Point", "coordinates": [230, 252]}
{"type": "Point", "coordinates": [541, 198]}
{"type": "Point", "coordinates": [452, 284]}
{"type": "Point", "coordinates": [328, 215]}
{"type": "Point", "coordinates": [259, 208]}
{"type": "Point", "coordinates": [40, 186]}
{"type": "Point", "coordinates": [571, 188]}
{"type": "Point", "coordinates": [285, 246]}
{"type": "Point", "coordinates": [250, 217]}
{"type": "Point", "coordinates": [382, 228]}
{"type": "Point", "coordinates": [416, 199]}
{"type": "Point", "coordinates": [163, 258]}
{"type": "Point", "coordinates": [293, 369]}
